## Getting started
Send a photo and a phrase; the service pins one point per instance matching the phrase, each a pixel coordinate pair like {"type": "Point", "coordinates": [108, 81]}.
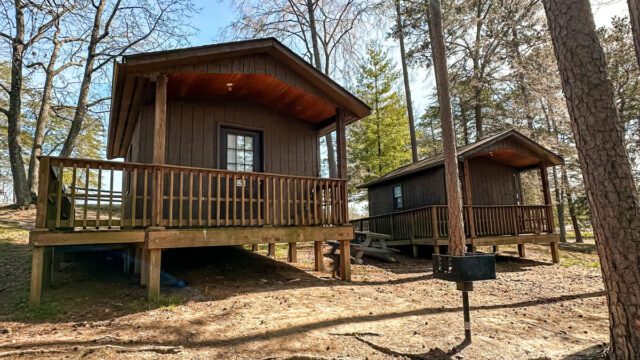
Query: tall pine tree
{"type": "Point", "coordinates": [380, 142]}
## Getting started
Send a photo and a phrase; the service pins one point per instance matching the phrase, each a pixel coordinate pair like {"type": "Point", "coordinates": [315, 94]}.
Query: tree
{"type": "Point", "coordinates": [112, 33]}
{"type": "Point", "coordinates": [407, 85]}
{"type": "Point", "coordinates": [609, 183]}
{"type": "Point", "coordinates": [634, 12]}
{"type": "Point", "coordinates": [454, 200]}
{"type": "Point", "coordinates": [21, 39]}
{"type": "Point", "coordinates": [378, 143]}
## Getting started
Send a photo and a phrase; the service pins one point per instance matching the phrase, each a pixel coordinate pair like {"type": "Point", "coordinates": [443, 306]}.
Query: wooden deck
{"type": "Point", "coordinates": [155, 207]}
{"type": "Point", "coordinates": [485, 225]}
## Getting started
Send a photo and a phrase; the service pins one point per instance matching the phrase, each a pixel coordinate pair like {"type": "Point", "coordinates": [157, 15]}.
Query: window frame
{"type": "Point", "coordinates": [256, 147]}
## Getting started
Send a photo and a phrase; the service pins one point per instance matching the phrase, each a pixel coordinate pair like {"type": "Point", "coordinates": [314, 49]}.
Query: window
{"type": "Point", "coordinates": [397, 197]}
{"type": "Point", "coordinates": [239, 152]}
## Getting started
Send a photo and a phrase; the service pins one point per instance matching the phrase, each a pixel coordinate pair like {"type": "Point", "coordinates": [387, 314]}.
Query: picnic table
{"type": "Point", "coordinates": [370, 244]}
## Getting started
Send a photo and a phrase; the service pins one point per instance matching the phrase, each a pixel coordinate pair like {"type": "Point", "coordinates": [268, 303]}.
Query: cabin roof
{"type": "Point", "coordinates": [480, 148]}
{"type": "Point", "coordinates": [132, 83]}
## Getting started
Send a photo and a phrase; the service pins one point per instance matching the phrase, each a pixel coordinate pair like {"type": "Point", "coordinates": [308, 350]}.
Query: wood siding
{"type": "Point", "coordinates": [493, 183]}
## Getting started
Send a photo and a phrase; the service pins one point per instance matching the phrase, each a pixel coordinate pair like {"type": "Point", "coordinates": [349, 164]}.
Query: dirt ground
{"type": "Point", "coordinates": [240, 304]}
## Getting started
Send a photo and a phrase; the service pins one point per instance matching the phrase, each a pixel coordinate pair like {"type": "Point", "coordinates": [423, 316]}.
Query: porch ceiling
{"type": "Point", "coordinates": [511, 158]}
{"type": "Point", "coordinates": [259, 88]}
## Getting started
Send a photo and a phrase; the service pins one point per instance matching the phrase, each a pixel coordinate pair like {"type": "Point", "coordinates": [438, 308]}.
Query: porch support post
{"type": "Point", "coordinates": [293, 252]}
{"type": "Point", "coordinates": [345, 260]}
{"type": "Point", "coordinates": [271, 252]}
{"type": "Point", "coordinates": [318, 256]}
{"type": "Point", "coordinates": [468, 199]}
{"type": "Point", "coordinates": [341, 142]}
{"type": "Point", "coordinates": [521, 251]}
{"type": "Point", "coordinates": [555, 255]}
{"type": "Point", "coordinates": [138, 261]}
{"type": "Point", "coordinates": [159, 133]}
{"type": "Point", "coordinates": [37, 264]}
{"type": "Point", "coordinates": [155, 256]}
{"type": "Point", "coordinates": [144, 274]}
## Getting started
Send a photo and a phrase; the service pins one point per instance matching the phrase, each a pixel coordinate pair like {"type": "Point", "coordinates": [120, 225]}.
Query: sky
{"type": "Point", "coordinates": [216, 14]}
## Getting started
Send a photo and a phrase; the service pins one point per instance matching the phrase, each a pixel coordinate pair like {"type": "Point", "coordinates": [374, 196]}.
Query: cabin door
{"type": "Point", "coordinates": [241, 152]}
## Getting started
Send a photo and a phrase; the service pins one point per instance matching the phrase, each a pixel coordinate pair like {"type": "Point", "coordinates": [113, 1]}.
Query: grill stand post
{"type": "Point", "coordinates": [466, 287]}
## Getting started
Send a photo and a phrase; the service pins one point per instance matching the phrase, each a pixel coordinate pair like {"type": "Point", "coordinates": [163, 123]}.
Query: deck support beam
{"type": "Point", "coordinates": [414, 248]}
{"type": "Point", "coordinates": [318, 256]}
{"type": "Point", "coordinates": [144, 274]}
{"type": "Point", "coordinates": [345, 260]}
{"type": "Point", "coordinates": [293, 252]}
{"type": "Point", "coordinates": [155, 256]}
{"type": "Point", "coordinates": [254, 247]}
{"type": "Point", "coordinates": [37, 265]}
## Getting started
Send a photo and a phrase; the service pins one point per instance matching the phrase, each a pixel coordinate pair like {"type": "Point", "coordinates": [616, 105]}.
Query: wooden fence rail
{"type": "Point", "coordinates": [95, 194]}
{"type": "Point", "coordinates": [488, 220]}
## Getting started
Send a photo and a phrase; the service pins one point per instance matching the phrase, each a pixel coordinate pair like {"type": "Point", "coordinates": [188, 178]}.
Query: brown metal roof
{"type": "Point", "coordinates": [546, 156]}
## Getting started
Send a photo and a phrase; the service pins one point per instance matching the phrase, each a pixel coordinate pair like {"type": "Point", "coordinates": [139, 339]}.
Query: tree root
{"type": "Point", "coordinates": [91, 349]}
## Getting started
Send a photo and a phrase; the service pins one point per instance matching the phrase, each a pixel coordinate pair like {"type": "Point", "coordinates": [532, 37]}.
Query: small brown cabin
{"type": "Point", "coordinates": [409, 203]}
{"type": "Point", "coordinates": [220, 146]}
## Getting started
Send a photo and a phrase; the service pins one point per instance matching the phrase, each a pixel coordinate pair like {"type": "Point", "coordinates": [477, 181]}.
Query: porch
{"type": "Point", "coordinates": [484, 225]}
{"type": "Point", "coordinates": [153, 207]}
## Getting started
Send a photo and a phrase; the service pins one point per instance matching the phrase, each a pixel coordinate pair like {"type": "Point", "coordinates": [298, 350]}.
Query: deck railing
{"type": "Point", "coordinates": [96, 194]}
{"type": "Point", "coordinates": [487, 220]}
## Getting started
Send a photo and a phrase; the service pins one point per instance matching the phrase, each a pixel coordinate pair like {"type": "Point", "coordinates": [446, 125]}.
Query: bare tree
{"type": "Point", "coordinates": [28, 24]}
{"type": "Point", "coordinates": [407, 85]}
{"type": "Point", "coordinates": [609, 183]}
{"type": "Point", "coordinates": [51, 70]}
{"type": "Point", "coordinates": [118, 27]}
{"type": "Point", "coordinates": [454, 201]}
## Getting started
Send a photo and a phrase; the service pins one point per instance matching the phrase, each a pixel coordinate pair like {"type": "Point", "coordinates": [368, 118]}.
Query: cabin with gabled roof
{"type": "Point", "coordinates": [409, 203]}
{"type": "Point", "coordinates": [220, 146]}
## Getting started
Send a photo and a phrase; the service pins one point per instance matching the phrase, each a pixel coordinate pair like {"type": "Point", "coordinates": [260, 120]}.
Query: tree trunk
{"type": "Point", "coordinates": [572, 206]}
{"type": "Point", "coordinates": [407, 85]}
{"type": "Point", "coordinates": [477, 85]}
{"type": "Point", "coordinates": [14, 113]}
{"type": "Point", "coordinates": [85, 85]}
{"type": "Point", "coordinates": [608, 179]}
{"type": "Point", "coordinates": [634, 15]}
{"type": "Point", "coordinates": [454, 202]}
{"type": "Point", "coordinates": [43, 115]}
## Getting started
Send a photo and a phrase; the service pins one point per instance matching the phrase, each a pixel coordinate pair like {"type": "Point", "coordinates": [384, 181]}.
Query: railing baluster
{"type": "Point", "coordinates": [59, 195]}
{"type": "Point", "coordinates": [242, 189]}
{"type": "Point", "coordinates": [111, 171]}
{"type": "Point", "coordinates": [170, 198]}
{"type": "Point", "coordinates": [288, 201]}
{"type": "Point", "coordinates": [99, 196]}
{"type": "Point", "coordinates": [274, 202]}
{"type": "Point", "coordinates": [86, 197]}
{"type": "Point", "coordinates": [267, 209]}
{"type": "Point", "coordinates": [235, 199]}
{"type": "Point", "coordinates": [259, 203]}
{"type": "Point", "coordinates": [190, 219]}
{"type": "Point", "coordinates": [144, 197]}
{"type": "Point", "coordinates": [200, 198]}
{"type": "Point", "coordinates": [295, 202]}
{"type": "Point", "coordinates": [226, 203]}
{"type": "Point", "coordinates": [209, 203]}
{"type": "Point", "coordinates": [218, 199]}
{"type": "Point", "coordinates": [134, 200]}
{"type": "Point", "coordinates": [281, 203]}
{"type": "Point", "coordinates": [181, 198]}
{"type": "Point", "coordinates": [72, 207]}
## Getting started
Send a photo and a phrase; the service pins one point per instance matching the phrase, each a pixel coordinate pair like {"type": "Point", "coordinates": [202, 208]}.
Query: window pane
{"type": "Point", "coordinates": [248, 158]}
{"type": "Point", "coordinates": [231, 141]}
{"type": "Point", "coordinates": [231, 156]}
{"type": "Point", "coordinates": [397, 191]}
{"type": "Point", "coordinates": [248, 143]}
{"type": "Point", "coordinates": [231, 167]}
{"type": "Point", "coordinates": [240, 142]}
{"type": "Point", "coordinates": [241, 157]}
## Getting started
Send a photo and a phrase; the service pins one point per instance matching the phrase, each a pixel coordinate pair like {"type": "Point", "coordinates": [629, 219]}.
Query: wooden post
{"type": "Point", "coordinates": [271, 252]}
{"type": "Point", "coordinates": [415, 251]}
{"type": "Point", "coordinates": [496, 249]}
{"type": "Point", "coordinates": [47, 265]}
{"type": "Point", "coordinates": [521, 251]}
{"type": "Point", "coordinates": [254, 247]}
{"type": "Point", "coordinates": [555, 253]}
{"type": "Point", "coordinates": [37, 263]}
{"type": "Point", "coordinates": [318, 256]}
{"type": "Point", "coordinates": [341, 142]}
{"type": "Point", "coordinates": [547, 196]}
{"type": "Point", "coordinates": [293, 252]}
{"type": "Point", "coordinates": [155, 256]}
{"type": "Point", "coordinates": [159, 133]}
{"type": "Point", "coordinates": [43, 193]}
{"type": "Point", "coordinates": [144, 274]}
{"type": "Point", "coordinates": [455, 219]}
{"type": "Point", "coordinates": [345, 260]}
{"type": "Point", "coordinates": [138, 260]}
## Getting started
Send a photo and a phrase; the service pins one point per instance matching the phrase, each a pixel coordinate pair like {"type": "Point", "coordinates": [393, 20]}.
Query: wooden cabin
{"type": "Point", "coordinates": [409, 203]}
{"type": "Point", "coordinates": [220, 146]}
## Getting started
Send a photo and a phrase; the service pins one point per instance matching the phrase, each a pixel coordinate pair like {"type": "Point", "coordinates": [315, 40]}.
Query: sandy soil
{"type": "Point", "coordinates": [240, 304]}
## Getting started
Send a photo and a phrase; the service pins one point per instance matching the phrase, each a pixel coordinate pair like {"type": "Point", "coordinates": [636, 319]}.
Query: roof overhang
{"type": "Point", "coordinates": [132, 86]}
